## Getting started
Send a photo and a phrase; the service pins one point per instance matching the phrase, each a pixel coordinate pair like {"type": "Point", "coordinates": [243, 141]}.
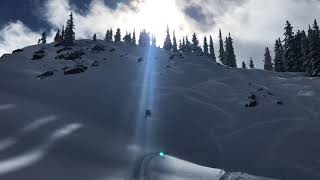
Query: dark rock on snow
{"type": "Point", "coordinates": [75, 70]}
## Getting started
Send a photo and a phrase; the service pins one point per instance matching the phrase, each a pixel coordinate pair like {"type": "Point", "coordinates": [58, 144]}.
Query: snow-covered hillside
{"type": "Point", "coordinates": [85, 119]}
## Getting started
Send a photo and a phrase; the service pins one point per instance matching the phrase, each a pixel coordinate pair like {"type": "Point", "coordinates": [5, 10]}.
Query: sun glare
{"type": "Point", "coordinates": [155, 15]}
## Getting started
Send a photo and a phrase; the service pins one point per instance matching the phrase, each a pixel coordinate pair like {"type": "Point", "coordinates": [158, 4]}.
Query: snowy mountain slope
{"type": "Point", "coordinates": [198, 108]}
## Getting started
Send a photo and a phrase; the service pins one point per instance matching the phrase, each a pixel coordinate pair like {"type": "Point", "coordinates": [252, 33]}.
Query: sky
{"type": "Point", "coordinates": [253, 24]}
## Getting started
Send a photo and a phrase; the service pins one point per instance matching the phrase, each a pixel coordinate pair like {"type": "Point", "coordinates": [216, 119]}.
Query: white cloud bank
{"type": "Point", "coordinates": [254, 24]}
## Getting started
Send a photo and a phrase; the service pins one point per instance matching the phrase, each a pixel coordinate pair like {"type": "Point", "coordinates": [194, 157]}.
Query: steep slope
{"type": "Point", "coordinates": [86, 118]}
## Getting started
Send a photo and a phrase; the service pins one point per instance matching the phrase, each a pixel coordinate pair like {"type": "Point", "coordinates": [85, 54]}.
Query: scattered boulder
{"type": "Point", "coordinates": [168, 66]}
{"type": "Point", "coordinates": [64, 49]}
{"type": "Point", "coordinates": [140, 59]}
{"type": "Point", "coordinates": [252, 103]}
{"type": "Point", "coordinates": [58, 44]}
{"type": "Point", "coordinates": [95, 64]}
{"type": "Point", "coordinates": [148, 113]}
{"type": "Point", "coordinates": [45, 74]}
{"type": "Point", "coordinates": [75, 70]}
{"type": "Point", "coordinates": [252, 97]}
{"type": "Point", "coordinates": [112, 50]}
{"type": "Point", "coordinates": [171, 56]}
{"type": "Point", "coordinates": [280, 103]}
{"type": "Point", "coordinates": [17, 50]}
{"type": "Point", "coordinates": [71, 55]}
{"type": "Point", "coordinates": [38, 55]}
{"type": "Point", "coordinates": [98, 48]}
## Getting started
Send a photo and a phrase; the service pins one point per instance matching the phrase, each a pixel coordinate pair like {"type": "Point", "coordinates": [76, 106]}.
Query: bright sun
{"type": "Point", "coordinates": [155, 15]}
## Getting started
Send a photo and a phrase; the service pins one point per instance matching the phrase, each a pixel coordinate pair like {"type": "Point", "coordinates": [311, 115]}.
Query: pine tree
{"type": "Point", "coordinates": [174, 45]}
{"type": "Point", "coordinates": [183, 47]}
{"type": "Point", "coordinates": [69, 36]}
{"type": "Point", "coordinates": [267, 60]}
{"type": "Point", "coordinates": [117, 37]}
{"type": "Point", "coordinates": [188, 47]}
{"type": "Point", "coordinates": [195, 44]}
{"type": "Point", "coordinates": [144, 39]}
{"type": "Point", "coordinates": [57, 37]}
{"type": "Point", "coordinates": [110, 38]}
{"type": "Point", "coordinates": [221, 49]}
{"type": "Point", "coordinates": [43, 38]}
{"type": "Point", "coordinates": [244, 66]}
{"type": "Point", "coordinates": [134, 41]}
{"type": "Point", "coordinates": [94, 38]}
{"type": "Point", "coordinates": [251, 65]}
{"type": "Point", "coordinates": [107, 35]}
{"type": "Point", "coordinates": [205, 46]}
{"type": "Point", "coordinates": [212, 53]}
{"type": "Point", "coordinates": [153, 41]}
{"type": "Point", "coordinates": [167, 43]}
{"type": "Point", "coordinates": [279, 54]}
{"type": "Point", "coordinates": [127, 38]}
{"type": "Point", "coordinates": [62, 34]}
{"type": "Point", "coordinates": [298, 38]}
{"type": "Point", "coordinates": [306, 43]}
{"type": "Point", "coordinates": [289, 47]}
{"type": "Point", "coordinates": [180, 45]}
{"type": "Point", "coordinates": [230, 57]}
{"type": "Point", "coordinates": [314, 51]}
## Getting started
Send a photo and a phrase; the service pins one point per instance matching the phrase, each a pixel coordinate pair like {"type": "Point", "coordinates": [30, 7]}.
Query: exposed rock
{"type": "Point", "coordinates": [95, 64]}
{"type": "Point", "coordinates": [140, 59]}
{"type": "Point", "coordinates": [17, 50]}
{"type": "Point", "coordinates": [75, 70]}
{"type": "Point", "coordinates": [45, 74]}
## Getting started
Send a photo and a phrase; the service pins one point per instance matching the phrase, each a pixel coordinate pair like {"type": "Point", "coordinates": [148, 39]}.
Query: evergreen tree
{"type": "Point", "coordinates": [180, 45]}
{"type": "Point", "coordinates": [167, 43]}
{"type": "Point", "coordinates": [267, 60]}
{"type": "Point", "coordinates": [298, 38]}
{"type": "Point", "coordinates": [110, 38]}
{"type": "Point", "coordinates": [212, 53]}
{"type": "Point", "coordinates": [43, 38]}
{"type": "Point", "coordinates": [69, 36]}
{"type": "Point", "coordinates": [134, 41]}
{"type": "Point", "coordinates": [144, 39]}
{"type": "Point", "coordinates": [289, 47]}
{"type": "Point", "coordinates": [205, 46]}
{"type": "Point", "coordinates": [57, 37]}
{"type": "Point", "coordinates": [221, 49]}
{"type": "Point", "coordinates": [251, 65]}
{"type": "Point", "coordinates": [188, 47]}
{"type": "Point", "coordinates": [244, 66]}
{"type": "Point", "coordinates": [314, 51]}
{"type": "Point", "coordinates": [127, 38]}
{"type": "Point", "coordinates": [117, 37]}
{"type": "Point", "coordinates": [230, 57]}
{"type": "Point", "coordinates": [279, 54]}
{"type": "Point", "coordinates": [183, 47]}
{"type": "Point", "coordinates": [153, 41]}
{"type": "Point", "coordinates": [174, 45]}
{"type": "Point", "coordinates": [195, 44]}
{"type": "Point", "coordinates": [94, 38]}
{"type": "Point", "coordinates": [306, 42]}
{"type": "Point", "coordinates": [62, 34]}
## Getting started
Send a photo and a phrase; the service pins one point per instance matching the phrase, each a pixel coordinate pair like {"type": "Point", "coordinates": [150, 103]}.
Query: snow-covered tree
{"type": "Point", "coordinates": [144, 39]}
{"type": "Point", "coordinates": [314, 51]}
{"type": "Point", "coordinates": [205, 46]}
{"type": "Point", "coordinates": [117, 37]}
{"type": "Point", "coordinates": [251, 64]}
{"type": "Point", "coordinates": [94, 38]}
{"type": "Point", "coordinates": [167, 42]}
{"type": "Point", "coordinates": [180, 45]}
{"type": "Point", "coordinates": [212, 53]}
{"type": "Point", "coordinates": [69, 36]}
{"type": "Point", "coordinates": [221, 49]}
{"type": "Point", "coordinates": [267, 60]}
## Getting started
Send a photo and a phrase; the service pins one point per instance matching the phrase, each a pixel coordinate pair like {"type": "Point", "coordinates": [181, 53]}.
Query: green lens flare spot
{"type": "Point", "coordinates": [161, 154]}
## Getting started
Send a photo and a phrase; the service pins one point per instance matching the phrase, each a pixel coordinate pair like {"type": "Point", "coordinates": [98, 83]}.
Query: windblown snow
{"type": "Point", "coordinates": [101, 110]}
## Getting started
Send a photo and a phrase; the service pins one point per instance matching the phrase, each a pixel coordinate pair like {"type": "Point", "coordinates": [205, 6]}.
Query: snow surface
{"type": "Point", "coordinates": [92, 126]}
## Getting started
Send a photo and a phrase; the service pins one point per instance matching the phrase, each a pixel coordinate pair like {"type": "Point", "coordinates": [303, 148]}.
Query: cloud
{"type": "Point", "coordinates": [253, 24]}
